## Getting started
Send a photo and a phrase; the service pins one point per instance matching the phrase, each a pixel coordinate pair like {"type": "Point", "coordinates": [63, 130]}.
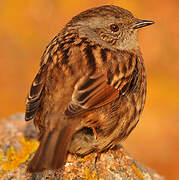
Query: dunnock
{"type": "Point", "coordinates": [90, 90]}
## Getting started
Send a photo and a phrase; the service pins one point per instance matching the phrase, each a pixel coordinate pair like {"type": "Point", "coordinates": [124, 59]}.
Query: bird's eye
{"type": "Point", "coordinates": [114, 27]}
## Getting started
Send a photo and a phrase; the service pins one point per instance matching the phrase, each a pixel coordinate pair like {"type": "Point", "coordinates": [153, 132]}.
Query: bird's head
{"type": "Point", "coordinates": [110, 26]}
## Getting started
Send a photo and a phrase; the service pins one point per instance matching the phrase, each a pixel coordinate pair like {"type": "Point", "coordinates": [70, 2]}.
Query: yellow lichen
{"type": "Point", "coordinates": [112, 166]}
{"type": "Point", "coordinates": [90, 175]}
{"type": "Point", "coordinates": [85, 158]}
{"type": "Point", "coordinates": [12, 159]}
{"type": "Point", "coordinates": [138, 172]}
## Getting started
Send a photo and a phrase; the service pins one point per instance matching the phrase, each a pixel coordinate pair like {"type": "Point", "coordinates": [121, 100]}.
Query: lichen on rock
{"type": "Point", "coordinates": [15, 151]}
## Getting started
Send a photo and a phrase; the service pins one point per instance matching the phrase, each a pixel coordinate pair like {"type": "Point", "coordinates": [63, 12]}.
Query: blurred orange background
{"type": "Point", "coordinates": [26, 27]}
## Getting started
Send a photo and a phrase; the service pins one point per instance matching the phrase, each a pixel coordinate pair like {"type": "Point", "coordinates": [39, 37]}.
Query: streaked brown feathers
{"type": "Point", "coordinates": [90, 90]}
{"type": "Point", "coordinates": [34, 98]}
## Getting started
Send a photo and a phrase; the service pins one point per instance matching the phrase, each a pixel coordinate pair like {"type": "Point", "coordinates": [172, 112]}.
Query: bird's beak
{"type": "Point", "coordinates": [142, 23]}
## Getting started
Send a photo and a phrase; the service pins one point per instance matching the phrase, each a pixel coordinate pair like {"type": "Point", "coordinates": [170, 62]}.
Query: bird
{"type": "Point", "coordinates": [90, 90]}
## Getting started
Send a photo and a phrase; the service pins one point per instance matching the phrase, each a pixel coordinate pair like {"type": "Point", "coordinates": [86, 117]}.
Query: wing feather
{"type": "Point", "coordinates": [98, 89]}
{"type": "Point", "coordinates": [34, 97]}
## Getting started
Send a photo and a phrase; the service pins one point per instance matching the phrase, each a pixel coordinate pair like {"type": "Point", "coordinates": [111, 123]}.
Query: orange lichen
{"type": "Point", "coordinates": [12, 159]}
{"type": "Point", "coordinates": [90, 175]}
{"type": "Point", "coordinates": [138, 172]}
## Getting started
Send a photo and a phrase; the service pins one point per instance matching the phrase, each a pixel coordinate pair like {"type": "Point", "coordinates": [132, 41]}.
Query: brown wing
{"type": "Point", "coordinates": [34, 97]}
{"type": "Point", "coordinates": [93, 91]}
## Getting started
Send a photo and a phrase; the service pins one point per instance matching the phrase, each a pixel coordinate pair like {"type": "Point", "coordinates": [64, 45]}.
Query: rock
{"type": "Point", "coordinates": [116, 164]}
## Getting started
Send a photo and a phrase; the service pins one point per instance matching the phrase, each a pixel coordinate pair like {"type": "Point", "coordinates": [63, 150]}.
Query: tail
{"type": "Point", "coordinates": [52, 151]}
